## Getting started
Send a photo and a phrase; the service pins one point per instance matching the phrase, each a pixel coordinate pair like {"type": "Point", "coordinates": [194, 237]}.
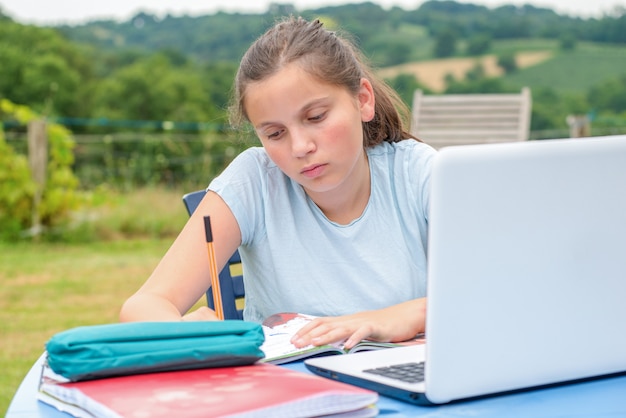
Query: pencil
{"type": "Point", "coordinates": [215, 280]}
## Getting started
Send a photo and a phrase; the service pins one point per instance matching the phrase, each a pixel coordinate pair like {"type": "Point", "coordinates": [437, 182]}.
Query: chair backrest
{"type": "Point", "coordinates": [231, 276]}
{"type": "Point", "coordinates": [459, 119]}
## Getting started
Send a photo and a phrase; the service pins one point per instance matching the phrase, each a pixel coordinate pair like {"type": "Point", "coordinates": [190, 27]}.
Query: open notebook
{"type": "Point", "coordinates": [527, 273]}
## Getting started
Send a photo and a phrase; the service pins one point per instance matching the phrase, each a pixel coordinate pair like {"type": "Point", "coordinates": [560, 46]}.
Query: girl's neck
{"type": "Point", "coordinates": [347, 203]}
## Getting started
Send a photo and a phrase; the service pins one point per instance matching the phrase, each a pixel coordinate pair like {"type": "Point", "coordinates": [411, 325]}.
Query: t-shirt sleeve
{"type": "Point", "coordinates": [241, 186]}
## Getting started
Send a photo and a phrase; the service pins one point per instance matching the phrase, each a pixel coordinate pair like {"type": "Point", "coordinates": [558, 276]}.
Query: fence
{"type": "Point", "coordinates": [127, 160]}
{"type": "Point", "coordinates": [188, 160]}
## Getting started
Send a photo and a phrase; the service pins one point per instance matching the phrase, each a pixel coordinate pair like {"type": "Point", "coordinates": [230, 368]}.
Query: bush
{"type": "Point", "coordinates": [507, 62]}
{"type": "Point", "coordinates": [478, 44]}
{"type": "Point", "coordinates": [16, 192]}
{"type": "Point", "coordinates": [567, 42]}
{"type": "Point", "coordinates": [17, 187]}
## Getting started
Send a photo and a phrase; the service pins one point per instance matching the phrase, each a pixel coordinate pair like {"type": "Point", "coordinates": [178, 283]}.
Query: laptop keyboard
{"type": "Point", "coordinates": [407, 372]}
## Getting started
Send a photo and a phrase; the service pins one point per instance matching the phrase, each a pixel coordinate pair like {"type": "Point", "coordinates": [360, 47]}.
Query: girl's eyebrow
{"type": "Point", "coordinates": [314, 103]}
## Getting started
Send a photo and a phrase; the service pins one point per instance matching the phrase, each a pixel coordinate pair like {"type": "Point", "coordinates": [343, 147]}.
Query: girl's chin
{"type": "Point", "coordinates": [318, 188]}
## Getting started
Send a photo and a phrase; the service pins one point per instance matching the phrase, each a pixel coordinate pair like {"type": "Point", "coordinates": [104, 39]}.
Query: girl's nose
{"type": "Point", "coordinates": [301, 143]}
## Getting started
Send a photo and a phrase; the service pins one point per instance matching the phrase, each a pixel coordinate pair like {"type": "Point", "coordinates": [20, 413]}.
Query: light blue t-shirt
{"type": "Point", "coordinates": [297, 260]}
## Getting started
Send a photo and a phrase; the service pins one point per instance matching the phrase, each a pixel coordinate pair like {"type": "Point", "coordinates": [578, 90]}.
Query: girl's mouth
{"type": "Point", "coordinates": [313, 170]}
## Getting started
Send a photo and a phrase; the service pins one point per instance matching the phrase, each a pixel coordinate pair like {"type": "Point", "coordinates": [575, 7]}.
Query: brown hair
{"type": "Point", "coordinates": [328, 57]}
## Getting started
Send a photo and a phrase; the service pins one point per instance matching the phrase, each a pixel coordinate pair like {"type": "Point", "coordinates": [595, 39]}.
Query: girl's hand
{"type": "Point", "coordinates": [393, 324]}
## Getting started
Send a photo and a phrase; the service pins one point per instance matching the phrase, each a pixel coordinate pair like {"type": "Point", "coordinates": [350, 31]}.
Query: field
{"type": "Point", "coordinates": [433, 73]}
{"type": "Point", "coordinates": [541, 64]}
{"type": "Point", "coordinates": [47, 288]}
{"type": "Point", "coordinates": [574, 71]}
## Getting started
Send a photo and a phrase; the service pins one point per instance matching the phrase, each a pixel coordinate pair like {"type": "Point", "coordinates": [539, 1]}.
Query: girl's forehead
{"type": "Point", "coordinates": [288, 95]}
{"type": "Point", "coordinates": [292, 80]}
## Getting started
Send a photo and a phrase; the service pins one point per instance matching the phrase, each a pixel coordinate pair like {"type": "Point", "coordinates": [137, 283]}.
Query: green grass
{"type": "Point", "coordinates": [574, 71]}
{"type": "Point", "coordinates": [48, 287]}
{"type": "Point", "coordinates": [111, 215]}
{"type": "Point", "coordinates": [523, 45]}
{"type": "Point", "coordinates": [567, 72]}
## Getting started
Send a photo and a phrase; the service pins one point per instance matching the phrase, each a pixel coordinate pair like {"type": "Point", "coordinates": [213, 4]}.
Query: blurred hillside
{"type": "Point", "coordinates": [143, 102]}
{"type": "Point", "coordinates": [181, 68]}
{"type": "Point", "coordinates": [390, 37]}
{"type": "Point", "coordinates": [146, 99]}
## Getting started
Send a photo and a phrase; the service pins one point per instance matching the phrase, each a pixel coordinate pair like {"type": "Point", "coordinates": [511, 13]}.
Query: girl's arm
{"type": "Point", "coordinates": [183, 275]}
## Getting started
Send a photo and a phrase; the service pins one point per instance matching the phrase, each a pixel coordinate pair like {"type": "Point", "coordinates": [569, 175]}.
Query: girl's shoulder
{"type": "Point", "coordinates": [252, 159]}
{"type": "Point", "coordinates": [409, 148]}
{"type": "Point", "coordinates": [254, 153]}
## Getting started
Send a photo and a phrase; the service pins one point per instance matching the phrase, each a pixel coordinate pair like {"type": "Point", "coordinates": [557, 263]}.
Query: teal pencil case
{"type": "Point", "coordinates": [97, 351]}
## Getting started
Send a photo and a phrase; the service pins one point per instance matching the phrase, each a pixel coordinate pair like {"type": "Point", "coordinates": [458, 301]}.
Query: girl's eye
{"type": "Point", "coordinates": [318, 117]}
{"type": "Point", "coordinates": [274, 135]}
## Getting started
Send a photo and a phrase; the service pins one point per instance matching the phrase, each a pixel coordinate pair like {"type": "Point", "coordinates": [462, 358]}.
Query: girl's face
{"type": "Point", "coordinates": [312, 130]}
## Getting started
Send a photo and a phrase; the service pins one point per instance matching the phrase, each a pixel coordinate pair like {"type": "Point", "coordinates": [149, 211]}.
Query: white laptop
{"type": "Point", "coordinates": [527, 273]}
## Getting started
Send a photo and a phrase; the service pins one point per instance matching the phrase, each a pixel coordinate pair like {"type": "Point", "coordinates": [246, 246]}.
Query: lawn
{"type": "Point", "coordinates": [47, 288]}
{"type": "Point", "coordinates": [541, 64]}
{"type": "Point", "coordinates": [574, 71]}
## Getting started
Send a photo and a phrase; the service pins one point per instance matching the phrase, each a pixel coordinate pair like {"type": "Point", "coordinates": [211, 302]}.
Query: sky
{"type": "Point", "coordinates": [45, 12]}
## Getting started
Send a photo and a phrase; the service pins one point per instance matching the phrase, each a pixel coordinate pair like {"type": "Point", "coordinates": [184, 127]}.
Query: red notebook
{"type": "Point", "coordinates": [261, 390]}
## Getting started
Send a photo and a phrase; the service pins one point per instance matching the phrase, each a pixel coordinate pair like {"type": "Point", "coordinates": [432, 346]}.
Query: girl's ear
{"type": "Point", "coordinates": [367, 101]}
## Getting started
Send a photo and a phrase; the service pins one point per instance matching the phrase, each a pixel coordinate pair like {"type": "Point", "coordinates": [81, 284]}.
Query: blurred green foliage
{"type": "Point", "coordinates": [17, 187]}
{"type": "Point", "coordinates": [146, 100]}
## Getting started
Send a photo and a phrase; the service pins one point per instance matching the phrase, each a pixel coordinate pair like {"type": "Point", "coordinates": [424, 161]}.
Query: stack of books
{"type": "Point", "coordinates": [259, 390]}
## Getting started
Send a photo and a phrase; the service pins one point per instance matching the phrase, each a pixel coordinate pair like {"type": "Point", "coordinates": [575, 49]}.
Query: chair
{"type": "Point", "coordinates": [231, 283]}
{"type": "Point", "coordinates": [459, 119]}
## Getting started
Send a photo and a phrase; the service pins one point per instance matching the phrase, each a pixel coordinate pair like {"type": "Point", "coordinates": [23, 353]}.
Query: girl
{"type": "Point", "coordinates": [330, 215]}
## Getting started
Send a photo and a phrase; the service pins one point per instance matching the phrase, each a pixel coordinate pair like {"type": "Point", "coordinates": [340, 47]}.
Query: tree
{"type": "Point", "coordinates": [43, 70]}
{"type": "Point", "coordinates": [568, 41]}
{"type": "Point", "coordinates": [476, 73]}
{"type": "Point", "coordinates": [609, 96]}
{"type": "Point", "coordinates": [218, 80]}
{"type": "Point", "coordinates": [49, 78]}
{"type": "Point", "coordinates": [478, 44]}
{"type": "Point", "coordinates": [405, 85]}
{"type": "Point", "coordinates": [445, 44]}
{"type": "Point", "coordinates": [153, 89]}
{"type": "Point", "coordinates": [507, 62]}
{"type": "Point", "coordinates": [395, 51]}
